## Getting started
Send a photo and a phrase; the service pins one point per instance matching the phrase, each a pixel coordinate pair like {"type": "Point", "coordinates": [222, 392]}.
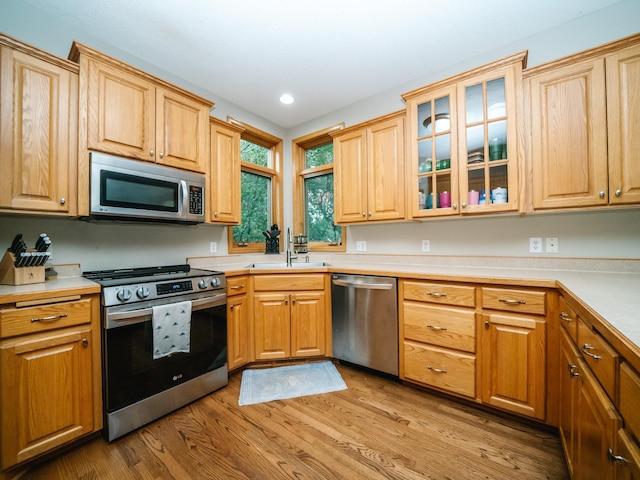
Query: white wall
{"type": "Point", "coordinates": [603, 234]}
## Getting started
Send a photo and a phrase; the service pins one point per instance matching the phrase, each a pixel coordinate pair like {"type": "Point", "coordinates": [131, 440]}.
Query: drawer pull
{"type": "Point", "coordinates": [52, 318]}
{"type": "Point", "coordinates": [435, 327]}
{"type": "Point", "coordinates": [437, 370]}
{"type": "Point", "coordinates": [615, 458]}
{"type": "Point", "coordinates": [511, 301]}
{"type": "Point", "coordinates": [237, 287]}
{"type": "Point", "coordinates": [587, 347]}
{"type": "Point", "coordinates": [436, 294]}
{"type": "Point", "coordinates": [565, 316]}
{"type": "Point", "coordinates": [572, 372]}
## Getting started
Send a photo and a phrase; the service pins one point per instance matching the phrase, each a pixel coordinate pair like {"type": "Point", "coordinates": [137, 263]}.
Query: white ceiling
{"type": "Point", "coordinates": [327, 54]}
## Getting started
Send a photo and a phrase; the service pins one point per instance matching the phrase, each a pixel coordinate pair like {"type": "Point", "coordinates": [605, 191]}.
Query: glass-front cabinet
{"type": "Point", "coordinates": [463, 152]}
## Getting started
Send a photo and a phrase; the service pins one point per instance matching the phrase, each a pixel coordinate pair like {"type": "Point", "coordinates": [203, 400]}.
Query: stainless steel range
{"type": "Point", "coordinates": [164, 332]}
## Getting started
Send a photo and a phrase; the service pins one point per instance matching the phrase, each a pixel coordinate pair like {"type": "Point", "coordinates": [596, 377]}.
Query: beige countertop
{"type": "Point", "coordinates": [611, 293]}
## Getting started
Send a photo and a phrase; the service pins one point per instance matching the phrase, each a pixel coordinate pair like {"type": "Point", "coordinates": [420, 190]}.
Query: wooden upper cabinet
{"type": "Point", "coordinates": [121, 112]}
{"type": "Point", "coordinates": [369, 171]}
{"type": "Point", "coordinates": [569, 136]}
{"type": "Point", "coordinates": [130, 113]}
{"type": "Point", "coordinates": [463, 148]}
{"type": "Point", "coordinates": [223, 175]}
{"type": "Point", "coordinates": [583, 128]}
{"type": "Point", "coordinates": [182, 131]}
{"type": "Point", "coordinates": [623, 117]}
{"type": "Point", "coordinates": [38, 139]}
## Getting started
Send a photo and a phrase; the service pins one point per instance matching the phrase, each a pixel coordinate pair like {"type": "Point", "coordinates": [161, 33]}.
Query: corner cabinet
{"type": "Point", "coordinates": [369, 171]}
{"type": "Point", "coordinates": [50, 364]}
{"type": "Point", "coordinates": [223, 174]}
{"type": "Point", "coordinates": [462, 137]}
{"type": "Point", "coordinates": [291, 316]}
{"type": "Point", "coordinates": [582, 129]}
{"type": "Point", "coordinates": [38, 125]}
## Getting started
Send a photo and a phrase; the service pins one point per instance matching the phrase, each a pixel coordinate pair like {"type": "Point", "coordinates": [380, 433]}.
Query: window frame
{"type": "Point", "coordinates": [299, 147]}
{"type": "Point", "coordinates": [275, 144]}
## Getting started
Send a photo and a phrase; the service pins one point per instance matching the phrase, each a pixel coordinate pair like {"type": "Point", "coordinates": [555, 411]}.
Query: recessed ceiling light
{"type": "Point", "coordinates": [286, 99]}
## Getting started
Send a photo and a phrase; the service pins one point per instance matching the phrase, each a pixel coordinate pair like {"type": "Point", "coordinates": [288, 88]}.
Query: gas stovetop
{"type": "Point", "coordinates": [129, 285]}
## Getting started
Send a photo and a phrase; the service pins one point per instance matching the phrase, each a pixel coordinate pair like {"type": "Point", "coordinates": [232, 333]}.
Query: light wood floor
{"type": "Point", "coordinates": [375, 429]}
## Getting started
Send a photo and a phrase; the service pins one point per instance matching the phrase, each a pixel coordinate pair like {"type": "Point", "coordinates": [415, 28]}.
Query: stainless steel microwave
{"type": "Point", "coordinates": [123, 189]}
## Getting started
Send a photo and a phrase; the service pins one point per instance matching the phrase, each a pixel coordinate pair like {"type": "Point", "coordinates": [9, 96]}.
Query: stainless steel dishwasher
{"type": "Point", "coordinates": [365, 321]}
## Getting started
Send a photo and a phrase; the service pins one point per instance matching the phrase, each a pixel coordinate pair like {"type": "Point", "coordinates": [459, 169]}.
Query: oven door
{"type": "Point", "coordinates": [130, 372]}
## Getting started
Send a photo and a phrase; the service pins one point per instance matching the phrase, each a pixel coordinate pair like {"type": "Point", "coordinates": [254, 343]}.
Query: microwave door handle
{"type": "Point", "coordinates": [184, 198]}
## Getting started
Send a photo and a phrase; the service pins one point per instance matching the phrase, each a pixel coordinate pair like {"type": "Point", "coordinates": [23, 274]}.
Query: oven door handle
{"type": "Point", "coordinates": [143, 314]}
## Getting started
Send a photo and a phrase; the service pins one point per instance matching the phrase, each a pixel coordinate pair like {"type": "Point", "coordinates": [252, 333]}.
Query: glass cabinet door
{"type": "Point", "coordinates": [435, 170]}
{"type": "Point", "coordinates": [487, 141]}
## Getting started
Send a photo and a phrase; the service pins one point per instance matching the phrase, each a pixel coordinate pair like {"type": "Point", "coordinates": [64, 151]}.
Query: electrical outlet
{"type": "Point", "coordinates": [213, 247]}
{"type": "Point", "coordinates": [426, 245]}
{"type": "Point", "coordinates": [361, 246]}
{"type": "Point", "coordinates": [552, 245]}
{"type": "Point", "coordinates": [535, 245]}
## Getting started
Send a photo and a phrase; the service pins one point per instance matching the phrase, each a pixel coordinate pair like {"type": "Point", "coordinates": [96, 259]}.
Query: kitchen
{"type": "Point", "coordinates": [591, 235]}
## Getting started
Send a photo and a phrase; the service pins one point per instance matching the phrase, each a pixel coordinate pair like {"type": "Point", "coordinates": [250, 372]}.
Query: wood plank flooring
{"type": "Point", "coordinates": [376, 429]}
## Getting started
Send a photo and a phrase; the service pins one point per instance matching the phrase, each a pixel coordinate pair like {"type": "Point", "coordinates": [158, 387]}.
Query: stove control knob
{"type": "Point", "coordinates": [142, 292]}
{"type": "Point", "coordinates": [215, 282]}
{"type": "Point", "coordinates": [203, 284]}
{"type": "Point", "coordinates": [124, 294]}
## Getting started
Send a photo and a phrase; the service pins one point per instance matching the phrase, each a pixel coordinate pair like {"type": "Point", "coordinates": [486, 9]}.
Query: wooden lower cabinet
{"type": "Point", "coordinates": [289, 325]}
{"type": "Point", "coordinates": [239, 333]}
{"type": "Point", "coordinates": [514, 363]}
{"type": "Point", "coordinates": [50, 378]}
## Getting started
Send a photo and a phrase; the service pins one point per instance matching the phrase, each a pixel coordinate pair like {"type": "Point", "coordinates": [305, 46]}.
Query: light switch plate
{"type": "Point", "coordinates": [426, 245]}
{"type": "Point", "coordinates": [361, 246]}
{"type": "Point", "coordinates": [213, 247]}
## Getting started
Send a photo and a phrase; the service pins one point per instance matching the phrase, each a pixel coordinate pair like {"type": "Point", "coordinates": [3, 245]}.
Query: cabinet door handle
{"type": "Point", "coordinates": [435, 327]}
{"type": "Point", "coordinates": [63, 201]}
{"type": "Point", "coordinates": [436, 370]}
{"type": "Point", "coordinates": [151, 153]}
{"type": "Point", "coordinates": [615, 458]}
{"type": "Point", "coordinates": [486, 325]}
{"type": "Point", "coordinates": [161, 154]}
{"type": "Point", "coordinates": [511, 301]}
{"type": "Point", "coordinates": [585, 349]}
{"type": "Point", "coordinates": [565, 316]}
{"type": "Point", "coordinates": [464, 204]}
{"type": "Point", "coordinates": [52, 318]}
{"type": "Point", "coordinates": [237, 287]}
{"type": "Point", "coordinates": [618, 192]}
{"type": "Point", "coordinates": [85, 342]}
{"type": "Point", "coordinates": [293, 300]}
{"type": "Point", "coordinates": [455, 206]}
{"type": "Point", "coordinates": [602, 194]}
{"type": "Point", "coordinates": [436, 294]}
{"type": "Point", "coordinates": [231, 307]}
{"type": "Point", "coordinates": [572, 372]}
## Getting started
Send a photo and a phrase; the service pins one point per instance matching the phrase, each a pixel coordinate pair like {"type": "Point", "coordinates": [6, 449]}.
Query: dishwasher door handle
{"type": "Point", "coordinates": [369, 286]}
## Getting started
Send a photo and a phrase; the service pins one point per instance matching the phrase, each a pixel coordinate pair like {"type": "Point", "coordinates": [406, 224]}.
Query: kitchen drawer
{"type": "Point", "coordinates": [600, 356]}
{"type": "Point", "coordinates": [449, 327]}
{"type": "Point", "coordinates": [568, 318]}
{"type": "Point", "coordinates": [288, 282]}
{"type": "Point", "coordinates": [25, 320]}
{"type": "Point", "coordinates": [237, 285]}
{"type": "Point", "coordinates": [444, 369]}
{"type": "Point", "coordinates": [630, 398]}
{"type": "Point", "coordinates": [510, 300]}
{"type": "Point", "coordinates": [440, 293]}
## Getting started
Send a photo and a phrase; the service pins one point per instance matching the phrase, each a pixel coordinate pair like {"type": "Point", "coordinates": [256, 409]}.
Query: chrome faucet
{"type": "Point", "coordinates": [290, 255]}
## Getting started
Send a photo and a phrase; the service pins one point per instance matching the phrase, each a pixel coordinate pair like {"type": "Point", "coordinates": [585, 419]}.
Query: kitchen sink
{"type": "Point", "coordinates": [284, 265]}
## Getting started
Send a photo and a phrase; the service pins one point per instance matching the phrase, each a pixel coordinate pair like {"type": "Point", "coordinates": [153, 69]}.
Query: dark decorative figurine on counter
{"type": "Point", "coordinates": [272, 242]}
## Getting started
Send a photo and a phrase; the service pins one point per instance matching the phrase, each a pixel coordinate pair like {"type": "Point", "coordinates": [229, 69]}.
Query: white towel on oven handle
{"type": "Point", "coordinates": [171, 325]}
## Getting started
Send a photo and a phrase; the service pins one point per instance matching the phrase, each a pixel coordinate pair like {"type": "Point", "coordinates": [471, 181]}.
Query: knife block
{"type": "Point", "coordinates": [11, 275]}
